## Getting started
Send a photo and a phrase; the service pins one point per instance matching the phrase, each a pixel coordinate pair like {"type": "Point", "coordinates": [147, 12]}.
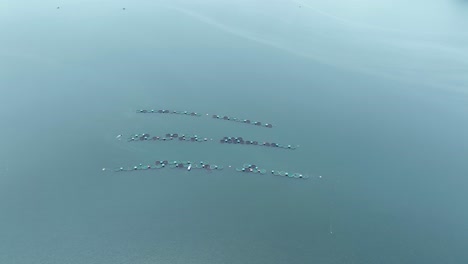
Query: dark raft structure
{"type": "Point", "coordinates": [196, 138]}
{"type": "Point", "coordinates": [214, 116]}
{"type": "Point", "coordinates": [168, 137]}
{"type": "Point", "coordinates": [165, 111]}
{"type": "Point", "coordinates": [249, 169]}
{"type": "Point", "coordinates": [240, 140]}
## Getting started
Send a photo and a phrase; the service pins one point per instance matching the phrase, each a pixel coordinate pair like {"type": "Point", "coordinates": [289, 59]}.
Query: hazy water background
{"type": "Point", "coordinates": [375, 94]}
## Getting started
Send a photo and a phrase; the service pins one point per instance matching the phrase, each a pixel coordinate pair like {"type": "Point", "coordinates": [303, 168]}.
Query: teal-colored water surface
{"type": "Point", "coordinates": [374, 92]}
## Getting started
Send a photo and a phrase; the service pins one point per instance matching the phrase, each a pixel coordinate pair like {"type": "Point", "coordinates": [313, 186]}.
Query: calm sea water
{"type": "Point", "coordinates": [375, 93]}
